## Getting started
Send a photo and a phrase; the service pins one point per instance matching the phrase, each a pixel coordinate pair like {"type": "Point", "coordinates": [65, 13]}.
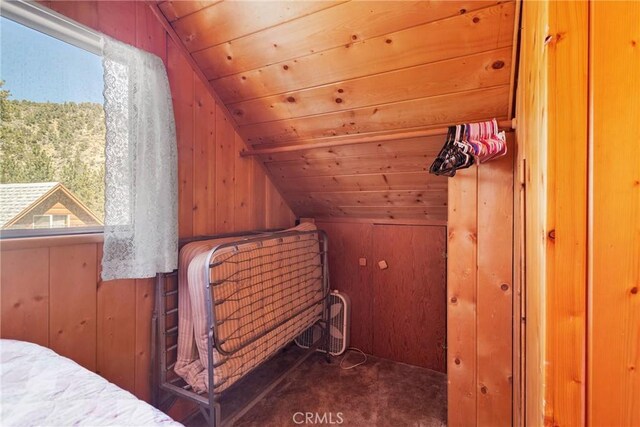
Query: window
{"type": "Point", "coordinates": [50, 221]}
{"type": "Point", "coordinates": [42, 221]}
{"type": "Point", "coordinates": [59, 221]}
{"type": "Point", "coordinates": [52, 132]}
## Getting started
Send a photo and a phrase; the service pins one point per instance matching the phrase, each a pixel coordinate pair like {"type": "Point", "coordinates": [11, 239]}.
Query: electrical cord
{"type": "Point", "coordinates": [347, 354]}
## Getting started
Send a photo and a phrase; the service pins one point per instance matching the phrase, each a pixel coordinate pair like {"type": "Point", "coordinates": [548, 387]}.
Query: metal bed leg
{"type": "Point", "coordinates": [217, 415]}
{"type": "Point", "coordinates": [205, 414]}
{"type": "Point", "coordinates": [327, 290]}
{"type": "Point", "coordinates": [327, 330]}
{"type": "Point", "coordinates": [155, 389]}
{"type": "Point", "coordinates": [212, 415]}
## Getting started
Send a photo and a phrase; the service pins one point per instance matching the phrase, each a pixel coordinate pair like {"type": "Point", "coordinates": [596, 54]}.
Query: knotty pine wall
{"type": "Point", "coordinates": [480, 293]}
{"type": "Point", "coordinates": [552, 111]}
{"type": "Point", "coordinates": [613, 351]}
{"type": "Point", "coordinates": [51, 290]}
{"type": "Point", "coordinates": [580, 67]}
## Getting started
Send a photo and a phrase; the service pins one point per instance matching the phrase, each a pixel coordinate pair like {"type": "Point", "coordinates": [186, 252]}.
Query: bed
{"type": "Point", "coordinates": [240, 299]}
{"type": "Point", "coordinates": [40, 387]}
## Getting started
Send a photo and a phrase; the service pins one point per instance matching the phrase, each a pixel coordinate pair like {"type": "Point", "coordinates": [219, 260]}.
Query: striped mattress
{"type": "Point", "coordinates": [257, 286]}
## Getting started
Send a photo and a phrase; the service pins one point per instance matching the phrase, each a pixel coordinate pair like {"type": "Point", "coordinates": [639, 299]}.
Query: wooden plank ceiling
{"type": "Point", "coordinates": [294, 73]}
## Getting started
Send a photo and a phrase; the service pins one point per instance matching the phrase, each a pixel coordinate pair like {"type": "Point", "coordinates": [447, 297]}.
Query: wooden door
{"type": "Point", "coordinates": [409, 305]}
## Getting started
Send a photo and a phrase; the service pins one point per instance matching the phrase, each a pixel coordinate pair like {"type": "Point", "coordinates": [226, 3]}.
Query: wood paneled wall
{"type": "Point", "coordinates": [397, 313]}
{"type": "Point", "coordinates": [50, 288]}
{"type": "Point", "coordinates": [480, 295]}
{"type": "Point", "coordinates": [578, 123]}
{"type": "Point", "coordinates": [410, 293]}
{"type": "Point", "coordinates": [52, 295]}
{"type": "Point", "coordinates": [348, 242]}
{"type": "Point", "coordinates": [566, 213]}
{"type": "Point", "coordinates": [614, 284]}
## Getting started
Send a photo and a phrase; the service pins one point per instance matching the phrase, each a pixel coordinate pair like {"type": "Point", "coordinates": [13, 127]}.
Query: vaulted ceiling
{"type": "Point", "coordinates": [306, 72]}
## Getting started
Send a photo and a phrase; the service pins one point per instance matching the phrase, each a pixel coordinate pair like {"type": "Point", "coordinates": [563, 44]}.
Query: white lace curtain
{"type": "Point", "coordinates": [141, 189]}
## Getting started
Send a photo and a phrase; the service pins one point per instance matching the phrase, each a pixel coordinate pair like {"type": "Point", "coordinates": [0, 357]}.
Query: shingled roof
{"type": "Point", "coordinates": [15, 198]}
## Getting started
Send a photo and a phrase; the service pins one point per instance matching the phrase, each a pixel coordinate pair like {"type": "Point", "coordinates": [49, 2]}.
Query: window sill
{"type": "Point", "coordinates": [35, 241]}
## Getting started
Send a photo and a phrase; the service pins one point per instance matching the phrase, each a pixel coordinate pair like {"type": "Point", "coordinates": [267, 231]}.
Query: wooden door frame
{"type": "Point", "coordinates": [552, 133]}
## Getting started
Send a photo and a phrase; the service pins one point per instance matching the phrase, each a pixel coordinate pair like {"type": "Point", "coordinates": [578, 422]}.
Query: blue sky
{"type": "Point", "coordinates": [41, 68]}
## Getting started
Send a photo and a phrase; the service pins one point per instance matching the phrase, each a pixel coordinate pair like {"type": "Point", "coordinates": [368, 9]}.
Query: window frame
{"type": "Point", "coordinates": [53, 24]}
{"type": "Point", "coordinates": [52, 220]}
{"type": "Point", "coordinates": [49, 232]}
{"type": "Point", "coordinates": [46, 21]}
{"type": "Point", "coordinates": [67, 219]}
{"type": "Point", "coordinates": [33, 221]}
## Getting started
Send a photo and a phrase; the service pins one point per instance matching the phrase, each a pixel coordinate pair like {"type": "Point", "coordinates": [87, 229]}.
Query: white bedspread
{"type": "Point", "coordinates": [38, 387]}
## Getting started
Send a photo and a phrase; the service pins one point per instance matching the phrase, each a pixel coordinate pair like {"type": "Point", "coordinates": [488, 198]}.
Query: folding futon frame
{"type": "Point", "coordinates": [168, 386]}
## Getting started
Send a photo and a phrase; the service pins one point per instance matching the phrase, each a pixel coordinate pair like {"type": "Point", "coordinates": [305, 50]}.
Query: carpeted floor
{"type": "Point", "coordinates": [378, 393]}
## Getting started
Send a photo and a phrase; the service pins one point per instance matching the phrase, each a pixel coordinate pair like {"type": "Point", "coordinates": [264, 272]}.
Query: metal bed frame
{"type": "Point", "coordinates": [168, 386]}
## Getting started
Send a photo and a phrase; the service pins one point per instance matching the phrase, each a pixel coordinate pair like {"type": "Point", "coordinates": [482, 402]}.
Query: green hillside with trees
{"type": "Point", "coordinates": [45, 141]}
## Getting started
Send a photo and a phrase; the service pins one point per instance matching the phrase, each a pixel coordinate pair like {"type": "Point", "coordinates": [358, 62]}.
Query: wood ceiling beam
{"type": "Point", "coordinates": [346, 219]}
{"type": "Point", "coordinates": [506, 125]}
